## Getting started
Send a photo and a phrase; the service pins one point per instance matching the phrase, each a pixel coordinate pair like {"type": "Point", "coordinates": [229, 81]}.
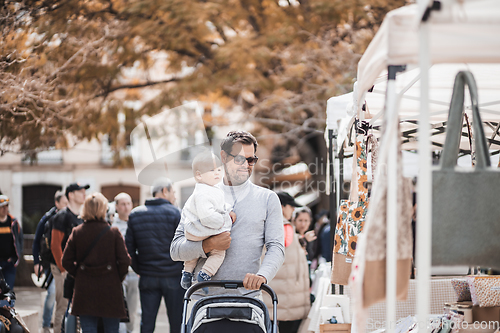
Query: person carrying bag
{"type": "Point", "coordinates": [98, 293]}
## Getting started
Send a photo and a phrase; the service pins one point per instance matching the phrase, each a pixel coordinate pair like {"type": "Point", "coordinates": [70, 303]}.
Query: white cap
{"type": "Point", "coordinates": [4, 200]}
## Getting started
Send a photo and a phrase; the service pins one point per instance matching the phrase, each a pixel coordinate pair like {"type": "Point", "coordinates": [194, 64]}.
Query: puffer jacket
{"type": "Point", "coordinates": [291, 284]}
{"type": "Point", "coordinates": [151, 228]}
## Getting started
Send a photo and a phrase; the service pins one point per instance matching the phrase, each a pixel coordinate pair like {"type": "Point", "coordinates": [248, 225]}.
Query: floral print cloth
{"type": "Point", "coordinates": [352, 213]}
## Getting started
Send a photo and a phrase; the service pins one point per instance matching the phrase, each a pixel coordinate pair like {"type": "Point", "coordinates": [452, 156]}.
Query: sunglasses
{"type": "Point", "coordinates": [3, 200]}
{"type": "Point", "coordinates": [240, 159]}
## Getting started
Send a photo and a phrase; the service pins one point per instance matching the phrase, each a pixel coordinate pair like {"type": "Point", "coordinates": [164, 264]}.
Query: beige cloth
{"type": "Point", "coordinates": [368, 276]}
{"type": "Point", "coordinates": [61, 302]}
{"type": "Point", "coordinates": [213, 262]}
{"type": "Point", "coordinates": [291, 284]}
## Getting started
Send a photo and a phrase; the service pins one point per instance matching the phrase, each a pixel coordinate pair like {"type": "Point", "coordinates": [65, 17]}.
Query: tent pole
{"type": "Point", "coordinates": [333, 191]}
{"type": "Point", "coordinates": [392, 197]}
{"type": "Point", "coordinates": [424, 200]}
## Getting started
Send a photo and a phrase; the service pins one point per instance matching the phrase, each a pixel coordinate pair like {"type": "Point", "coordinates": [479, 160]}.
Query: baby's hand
{"type": "Point", "coordinates": [233, 216]}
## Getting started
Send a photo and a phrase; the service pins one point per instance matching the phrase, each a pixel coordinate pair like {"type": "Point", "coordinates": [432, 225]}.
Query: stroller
{"type": "Point", "coordinates": [229, 313]}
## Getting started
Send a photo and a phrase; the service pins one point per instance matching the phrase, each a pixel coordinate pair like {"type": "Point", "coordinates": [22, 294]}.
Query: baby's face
{"type": "Point", "coordinates": [211, 177]}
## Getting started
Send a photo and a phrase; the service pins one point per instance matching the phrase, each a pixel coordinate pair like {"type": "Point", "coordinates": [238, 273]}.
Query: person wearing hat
{"type": "Point", "coordinates": [62, 225]}
{"type": "Point", "coordinates": [151, 228]}
{"type": "Point", "coordinates": [291, 283]}
{"type": "Point", "coordinates": [288, 204]}
{"type": "Point", "coordinates": [11, 242]}
{"type": "Point", "coordinates": [43, 264]}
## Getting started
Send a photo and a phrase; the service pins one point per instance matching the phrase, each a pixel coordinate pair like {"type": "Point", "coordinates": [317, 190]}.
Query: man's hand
{"type": "Point", "coordinates": [253, 281]}
{"type": "Point", "coordinates": [233, 216]}
{"type": "Point", "coordinates": [218, 242]}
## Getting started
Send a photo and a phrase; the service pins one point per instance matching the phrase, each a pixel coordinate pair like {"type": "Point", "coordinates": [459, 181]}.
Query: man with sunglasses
{"type": "Point", "coordinates": [258, 223]}
{"type": "Point", "coordinates": [11, 242]}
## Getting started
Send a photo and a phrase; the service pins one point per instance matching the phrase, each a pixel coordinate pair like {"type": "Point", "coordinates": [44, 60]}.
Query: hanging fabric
{"type": "Point", "coordinates": [368, 276]}
{"type": "Point", "coordinates": [372, 147]}
{"type": "Point", "coordinates": [465, 209]}
{"type": "Point", "coordinates": [352, 212]}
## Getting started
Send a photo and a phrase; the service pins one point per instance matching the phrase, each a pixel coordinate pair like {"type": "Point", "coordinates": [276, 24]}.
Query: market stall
{"type": "Point", "coordinates": [442, 39]}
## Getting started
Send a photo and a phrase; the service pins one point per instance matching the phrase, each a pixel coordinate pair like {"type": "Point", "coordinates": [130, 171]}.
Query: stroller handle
{"type": "Point", "coordinates": [227, 284]}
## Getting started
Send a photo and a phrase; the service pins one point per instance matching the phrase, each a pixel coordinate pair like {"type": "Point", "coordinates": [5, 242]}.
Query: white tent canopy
{"type": "Point", "coordinates": [339, 108]}
{"type": "Point", "coordinates": [464, 35]}
{"type": "Point", "coordinates": [461, 32]}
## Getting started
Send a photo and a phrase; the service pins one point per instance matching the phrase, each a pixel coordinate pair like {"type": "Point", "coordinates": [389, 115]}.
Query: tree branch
{"type": "Point", "coordinates": [134, 86]}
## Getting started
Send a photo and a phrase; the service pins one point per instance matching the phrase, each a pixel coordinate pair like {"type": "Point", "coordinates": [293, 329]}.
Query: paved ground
{"type": "Point", "coordinates": [30, 298]}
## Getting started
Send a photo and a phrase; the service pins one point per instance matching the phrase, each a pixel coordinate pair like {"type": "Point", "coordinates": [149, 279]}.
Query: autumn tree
{"type": "Point", "coordinates": [64, 62]}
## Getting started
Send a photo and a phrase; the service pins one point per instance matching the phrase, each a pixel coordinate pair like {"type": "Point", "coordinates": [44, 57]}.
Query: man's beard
{"type": "Point", "coordinates": [238, 178]}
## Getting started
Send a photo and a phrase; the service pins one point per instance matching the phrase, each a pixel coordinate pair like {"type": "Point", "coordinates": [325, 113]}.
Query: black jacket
{"type": "Point", "coordinates": [150, 231]}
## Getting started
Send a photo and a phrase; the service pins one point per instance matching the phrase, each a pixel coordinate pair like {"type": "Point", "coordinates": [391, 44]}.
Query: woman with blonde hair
{"type": "Point", "coordinates": [98, 259]}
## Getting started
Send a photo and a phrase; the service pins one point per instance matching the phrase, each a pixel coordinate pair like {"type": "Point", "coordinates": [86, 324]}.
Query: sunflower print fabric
{"type": "Point", "coordinates": [352, 213]}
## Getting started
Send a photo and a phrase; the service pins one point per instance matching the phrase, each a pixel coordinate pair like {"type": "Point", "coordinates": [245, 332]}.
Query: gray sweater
{"type": "Point", "coordinates": [258, 223]}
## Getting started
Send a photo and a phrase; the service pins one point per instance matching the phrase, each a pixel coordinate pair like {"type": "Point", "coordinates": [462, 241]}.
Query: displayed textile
{"type": "Point", "coordinates": [465, 209]}
{"type": "Point", "coordinates": [486, 290]}
{"type": "Point", "coordinates": [461, 287]}
{"type": "Point", "coordinates": [368, 277]}
{"type": "Point", "coordinates": [352, 214]}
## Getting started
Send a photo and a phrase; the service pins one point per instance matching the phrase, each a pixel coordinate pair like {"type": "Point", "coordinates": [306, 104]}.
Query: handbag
{"type": "Point", "coordinates": [69, 286]}
{"type": "Point", "coordinates": [69, 281]}
{"type": "Point", "coordinates": [127, 317]}
{"type": "Point", "coordinates": [16, 316]}
{"type": "Point", "coordinates": [465, 209]}
{"type": "Point", "coordinates": [473, 296]}
{"type": "Point", "coordinates": [487, 290]}
{"type": "Point", "coordinates": [352, 214]}
{"type": "Point", "coordinates": [461, 287]}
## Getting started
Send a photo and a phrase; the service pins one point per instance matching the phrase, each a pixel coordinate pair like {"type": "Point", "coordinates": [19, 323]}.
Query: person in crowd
{"type": "Point", "coordinates": [110, 214]}
{"type": "Point", "coordinates": [123, 207]}
{"type": "Point", "coordinates": [322, 246]}
{"type": "Point", "coordinates": [43, 264]}
{"type": "Point", "coordinates": [301, 220]}
{"type": "Point", "coordinates": [291, 283]}
{"type": "Point", "coordinates": [151, 228]}
{"type": "Point", "coordinates": [96, 256]}
{"type": "Point", "coordinates": [8, 324]}
{"type": "Point", "coordinates": [11, 242]}
{"type": "Point", "coordinates": [62, 225]}
{"type": "Point", "coordinates": [258, 224]}
{"type": "Point", "coordinates": [206, 215]}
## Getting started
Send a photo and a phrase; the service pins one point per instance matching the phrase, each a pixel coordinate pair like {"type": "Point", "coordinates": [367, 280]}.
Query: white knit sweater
{"type": "Point", "coordinates": [206, 212]}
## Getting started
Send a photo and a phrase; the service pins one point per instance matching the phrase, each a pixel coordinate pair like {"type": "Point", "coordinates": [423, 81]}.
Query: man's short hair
{"type": "Point", "coordinates": [159, 184]}
{"type": "Point", "coordinates": [59, 194]}
{"type": "Point", "coordinates": [238, 136]}
{"type": "Point", "coordinates": [204, 162]}
{"type": "Point", "coordinates": [121, 196]}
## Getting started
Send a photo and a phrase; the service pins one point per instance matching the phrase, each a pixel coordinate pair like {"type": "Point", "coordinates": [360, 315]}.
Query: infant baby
{"type": "Point", "coordinates": [206, 214]}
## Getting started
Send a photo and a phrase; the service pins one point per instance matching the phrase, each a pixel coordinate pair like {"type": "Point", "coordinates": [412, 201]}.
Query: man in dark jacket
{"type": "Point", "coordinates": [43, 264]}
{"type": "Point", "coordinates": [151, 228]}
{"type": "Point", "coordinates": [11, 242]}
